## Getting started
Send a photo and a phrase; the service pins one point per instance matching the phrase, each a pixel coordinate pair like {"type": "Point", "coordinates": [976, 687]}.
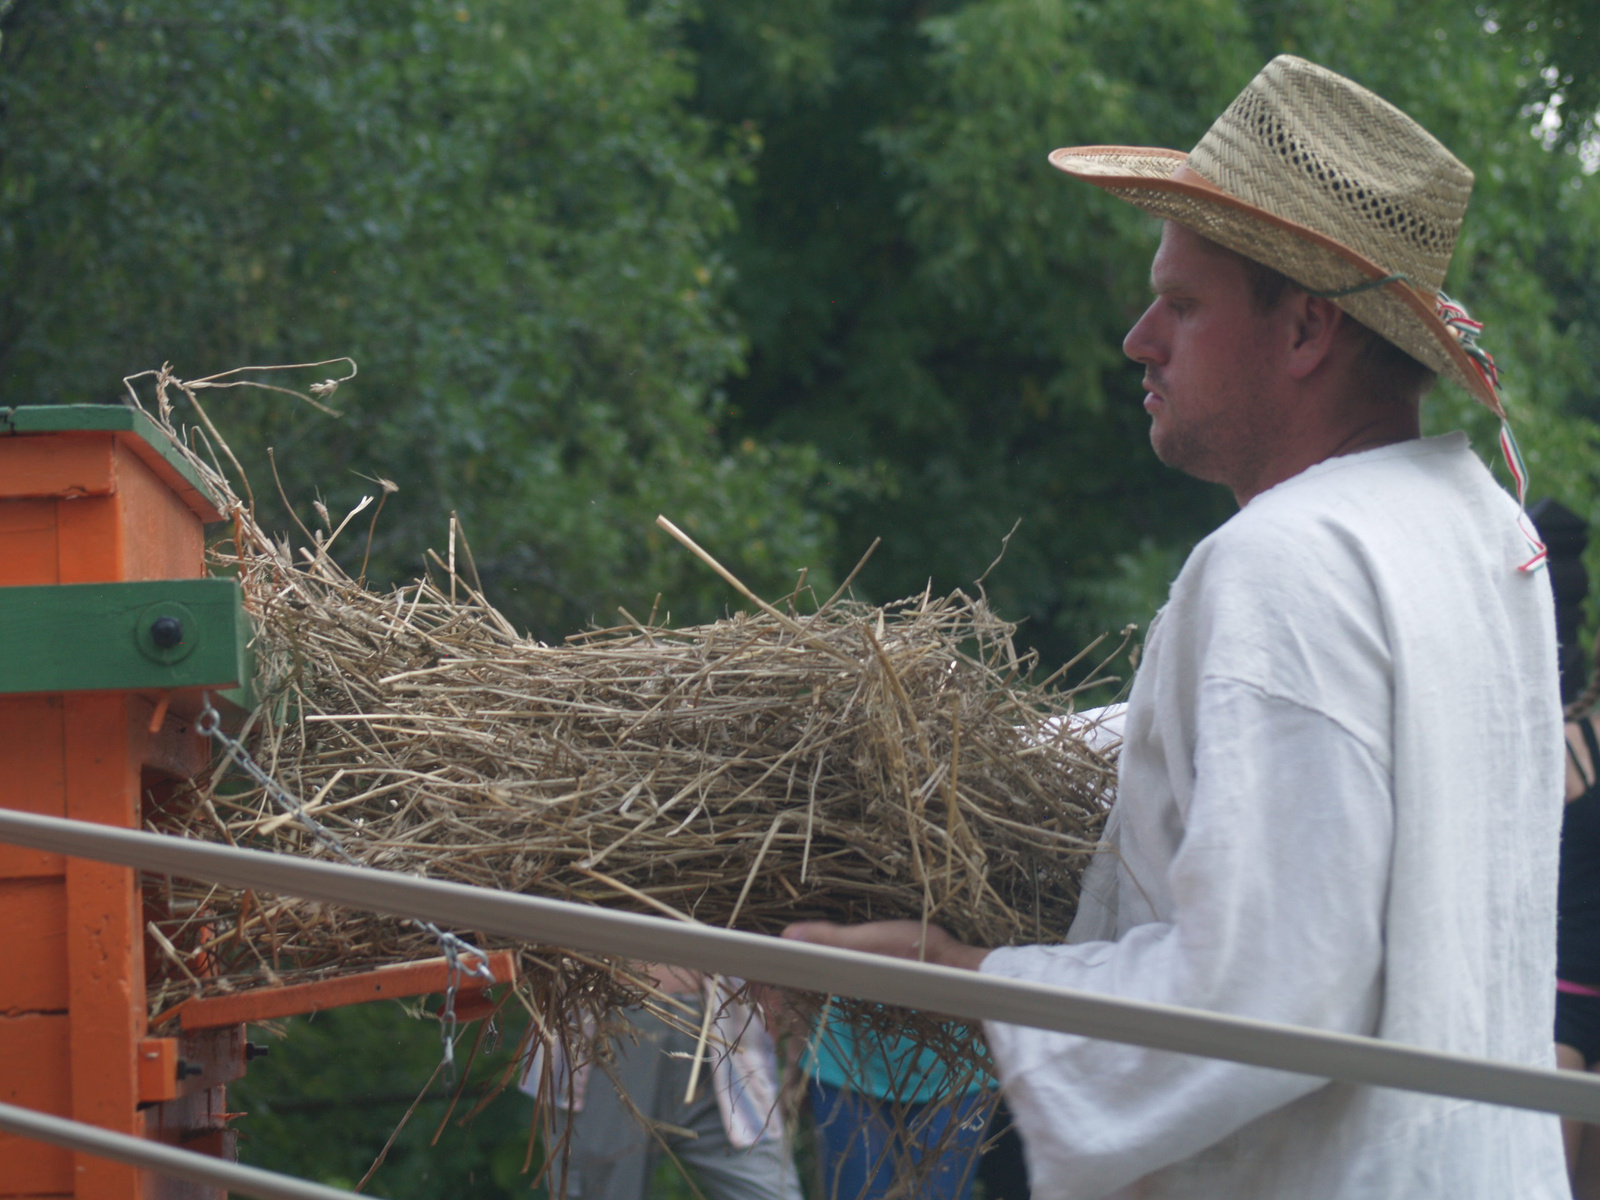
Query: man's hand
{"type": "Point", "coordinates": [895, 939]}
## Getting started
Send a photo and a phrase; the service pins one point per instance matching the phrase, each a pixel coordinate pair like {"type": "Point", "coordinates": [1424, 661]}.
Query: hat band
{"type": "Point", "coordinates": [1369, 285]}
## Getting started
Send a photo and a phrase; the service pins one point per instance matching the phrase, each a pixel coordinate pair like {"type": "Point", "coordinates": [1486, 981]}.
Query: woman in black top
{"type": "Point", "coordinates": [1578, 935]}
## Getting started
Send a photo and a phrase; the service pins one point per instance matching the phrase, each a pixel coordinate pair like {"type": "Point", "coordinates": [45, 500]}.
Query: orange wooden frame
{"type": "Point", "coordinates": [83, 507]}
{"type": "Point", "coordinates": [103, 506]}
{"type": "Point", "coordinates": [406, 979]}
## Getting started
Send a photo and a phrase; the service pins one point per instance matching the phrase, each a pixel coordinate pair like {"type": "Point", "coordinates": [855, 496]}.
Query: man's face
{"type": "Point", "coordinates": [1208, 356]}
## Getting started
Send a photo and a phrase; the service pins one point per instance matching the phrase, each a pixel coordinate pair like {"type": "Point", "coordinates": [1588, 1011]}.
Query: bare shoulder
{"type": "Point", "coordinates": [1580, 764]}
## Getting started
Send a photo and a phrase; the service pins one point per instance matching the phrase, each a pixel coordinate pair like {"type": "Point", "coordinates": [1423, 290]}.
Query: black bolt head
{"type": "Point", "coordinates": [166, 632]}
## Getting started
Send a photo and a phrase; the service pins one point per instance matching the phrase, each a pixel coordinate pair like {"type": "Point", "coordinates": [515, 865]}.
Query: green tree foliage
{"type": "Point", "coordinates": [927, 299]}
{"type": "Point", "coordinates": [332, 1099]}
{"type": "Point", "coordinates": [502, 210]}
{"type": "Point", "coordinates": [358, 1072]}
{"type": "Point", "coordinates": [521, 219]}
{"type": "Point", "coordinates": [1562, 39]}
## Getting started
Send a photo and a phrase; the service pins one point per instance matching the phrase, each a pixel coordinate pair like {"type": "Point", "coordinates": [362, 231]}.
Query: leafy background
{"type": "Point", "coordinates": [793, 272]}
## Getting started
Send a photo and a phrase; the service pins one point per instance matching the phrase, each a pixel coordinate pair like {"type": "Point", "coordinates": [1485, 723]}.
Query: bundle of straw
{"type": "Point", "coordinates": [836, 760]}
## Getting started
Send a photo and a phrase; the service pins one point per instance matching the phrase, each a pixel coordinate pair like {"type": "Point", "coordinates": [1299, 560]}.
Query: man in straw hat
{"type": "Point", "coordinates": [1340, 781]}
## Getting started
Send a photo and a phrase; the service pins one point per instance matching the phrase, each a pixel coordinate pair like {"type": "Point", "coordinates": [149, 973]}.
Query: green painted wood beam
{"type": "Point", "coordinates": [168, 633]}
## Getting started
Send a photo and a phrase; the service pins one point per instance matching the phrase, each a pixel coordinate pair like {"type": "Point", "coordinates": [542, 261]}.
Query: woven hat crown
{"type": "Point", "coordinates": [1325, 153]}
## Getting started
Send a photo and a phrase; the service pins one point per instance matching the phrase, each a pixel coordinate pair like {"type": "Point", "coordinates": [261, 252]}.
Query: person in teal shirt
{"type": "Point", "coordinates": [881, 1108]}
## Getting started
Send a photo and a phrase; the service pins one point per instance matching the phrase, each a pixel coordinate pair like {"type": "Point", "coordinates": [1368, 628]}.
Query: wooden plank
{"type": "Point", "coordinates": [28, 542]}
{"type": "Point", "coordinates": [56, 466]}
{"type": "Point", "coordinates": [125, 425]}
{"type": "Point", "coordinates": [161, 537]}
{"type": "Point", "coordinates": [33, 946]}
{"type": "Point", "coordinates": [32, 775]}
{"type": "Point", "coordinates": [34, 1072]}
{"type": "Point", "coordinates": [265, 1004]}
{"type": "Point", "coordinates": [88, 540]}
{"type": "Point", "coordinates": [102, 636]}
{"type": "Point", "coordinates": [189, 1122]}
{"type": "Point", "coordinates": [176, 474]}
{"type": "Point", "coordinates": [218, 1053]}
{"type": "Point", "coordinates": [105, 942]}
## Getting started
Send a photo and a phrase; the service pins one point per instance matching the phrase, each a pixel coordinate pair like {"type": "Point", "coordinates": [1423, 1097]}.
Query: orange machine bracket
{"type": "Point", "coordinates": [406, 979]}
{"type": "Point", "coordinates": [158, 1070]}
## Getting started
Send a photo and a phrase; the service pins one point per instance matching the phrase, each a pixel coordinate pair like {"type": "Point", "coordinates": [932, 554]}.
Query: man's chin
{"type": "Point", "coordinates": [1161, 443]}
{"type": "Point", "coordinates": [1174, 451]}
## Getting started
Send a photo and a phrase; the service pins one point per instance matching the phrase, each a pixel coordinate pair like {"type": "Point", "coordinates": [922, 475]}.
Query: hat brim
{"type": "Point", "coordinates": [1398, 311]}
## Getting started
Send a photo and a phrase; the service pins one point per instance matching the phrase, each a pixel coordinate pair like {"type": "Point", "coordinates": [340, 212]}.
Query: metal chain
{"type": "Point", "coordinates": [454, 948]}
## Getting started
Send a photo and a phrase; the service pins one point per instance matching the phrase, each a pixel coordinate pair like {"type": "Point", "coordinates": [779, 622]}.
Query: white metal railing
{"type": "Point", "coordinates": [959, 993]}
{"type": "Point", "coordinates": [161, 1158]}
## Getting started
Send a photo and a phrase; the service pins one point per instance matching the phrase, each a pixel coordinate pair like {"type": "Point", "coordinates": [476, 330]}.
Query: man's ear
{"type": "Point", "coordinates": [1314, 328]}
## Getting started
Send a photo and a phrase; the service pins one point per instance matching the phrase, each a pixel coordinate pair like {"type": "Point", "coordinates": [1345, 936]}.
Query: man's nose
{"type": "Point", "coordinates": [1141, 344]}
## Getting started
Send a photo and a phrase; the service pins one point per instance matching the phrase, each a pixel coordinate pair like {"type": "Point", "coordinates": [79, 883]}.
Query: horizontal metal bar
{"type": "Point", "coordinates": [959, 993]}
{"type": "Point", "coordinates": [161, 1158]}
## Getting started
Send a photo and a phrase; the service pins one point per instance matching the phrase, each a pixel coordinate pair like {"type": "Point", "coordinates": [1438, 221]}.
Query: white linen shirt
{"type": "Point", "coordinates": [1339, 804]}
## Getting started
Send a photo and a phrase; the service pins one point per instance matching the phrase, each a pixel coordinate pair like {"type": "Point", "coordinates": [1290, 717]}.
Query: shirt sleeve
{"type": "Point", "coordinates": [1100, 727]}
{"type": "Point", "coordinates": [1278, 889]}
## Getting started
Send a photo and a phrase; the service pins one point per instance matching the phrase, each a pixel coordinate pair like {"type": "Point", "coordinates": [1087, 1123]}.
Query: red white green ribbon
{"type": "Point", "coordinates": [1466, 330]}
{"type": "Point", "coordinates": [1519, 474]}
{"type": "Point", "coordinates": [1459, 322]}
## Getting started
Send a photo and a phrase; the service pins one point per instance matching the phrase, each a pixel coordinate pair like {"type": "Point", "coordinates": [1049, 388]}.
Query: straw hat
{"type": "Point", "coordinates": [1318, 178]}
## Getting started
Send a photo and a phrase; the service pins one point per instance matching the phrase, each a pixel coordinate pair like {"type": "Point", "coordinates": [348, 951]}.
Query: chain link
{"type": "Point", "coordinates": [454, 948]}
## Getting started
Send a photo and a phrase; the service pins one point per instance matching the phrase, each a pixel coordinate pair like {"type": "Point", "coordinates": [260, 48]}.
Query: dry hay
{"type": "Point", "coordinates": [841, 760]}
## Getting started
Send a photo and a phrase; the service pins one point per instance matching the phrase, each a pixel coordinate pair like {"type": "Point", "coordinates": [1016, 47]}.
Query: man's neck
{"type": "Point", "coordinates": [1361, 426]}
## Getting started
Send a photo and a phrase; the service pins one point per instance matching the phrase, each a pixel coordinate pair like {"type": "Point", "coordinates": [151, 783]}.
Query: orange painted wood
{"type": "Point", "coordinates": [161, 538]}
{"type": "Point", "coordinates": [34, 1056]}
{"type": "Point", "coordinates": [33, 946]}
{"type": "Point", "coordinates": [33, 776]}
{"type": "Point", "coordinates": [27, 542]}
{"type": "Point", "coordinates": [105, 940]}
{"type": "Point", "coordinates": [56, 465]}
{"type": "Point", "coordinates": [34, 1050]}
{"type": "Point", "coordinates": [158, 1069]}
{"type": "Point", "coordinates": [89, 540]}
{"type": "Point", "coordinates": [475, 1006]}
{"type": "Point", "coordinates": [265, 1004]}
{"type": "Point", "coordinates": [87, 508]}
{"type": "Point", "coordinates": [171, 480]}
